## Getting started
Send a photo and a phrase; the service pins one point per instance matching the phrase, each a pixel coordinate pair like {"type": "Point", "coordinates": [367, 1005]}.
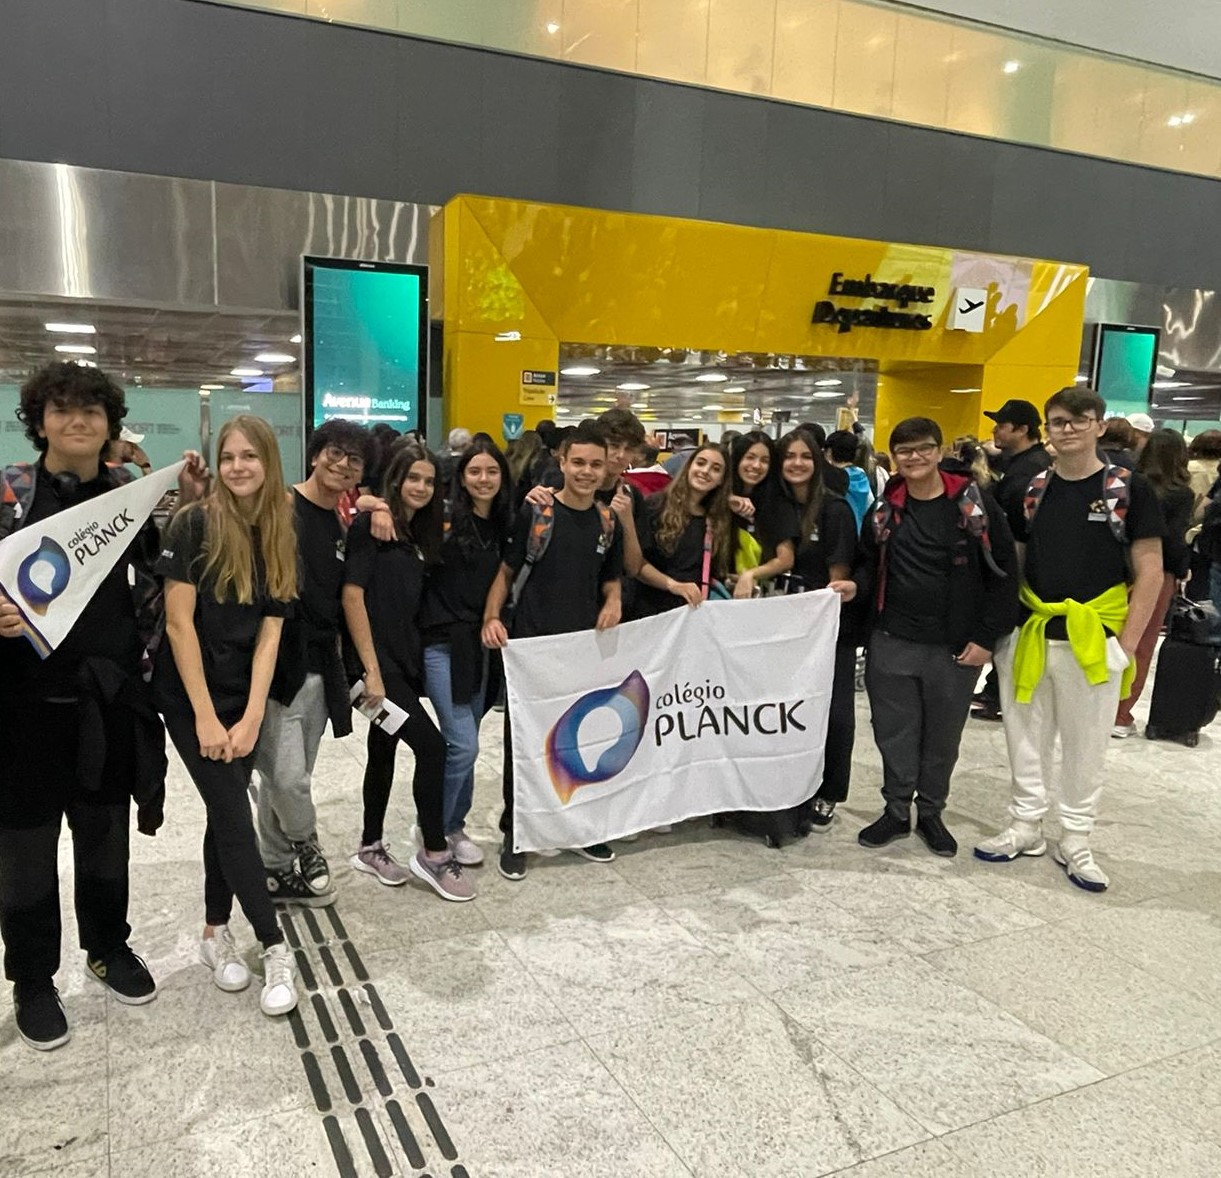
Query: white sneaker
{"type": "Point", "coordinates": [1074, 855]}
{"type": "Point", "coordinates": [1123, 731]}
{"type": "Point", "coordinates": [279, 994]}
{"type": "Point", "coordinates": [219, 954]}
{"type": "Point", "coordinates": [1019, 838]}
{"type": "Point", "coordinates": [465, 849]}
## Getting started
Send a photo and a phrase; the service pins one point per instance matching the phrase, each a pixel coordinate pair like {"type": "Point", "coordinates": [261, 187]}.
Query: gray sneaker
{"type": "Point", "coordinates": [375, 859]}
{"type": "Point", "coordinates": [444, 876]}
{"type": "Point", "coordinates": [465, 849]}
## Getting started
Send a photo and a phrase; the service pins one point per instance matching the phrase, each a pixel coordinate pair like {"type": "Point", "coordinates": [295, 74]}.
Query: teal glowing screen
{"type": "Point", "coordinates": [1126, 360]}
{"type": "Point", "coordinates": [365, 333]}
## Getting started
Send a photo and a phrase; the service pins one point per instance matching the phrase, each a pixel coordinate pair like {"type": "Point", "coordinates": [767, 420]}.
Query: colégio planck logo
{"type": "Point", "coordinates": [565, 762]}
{"type": "Point", "coordinates": [43, 575]}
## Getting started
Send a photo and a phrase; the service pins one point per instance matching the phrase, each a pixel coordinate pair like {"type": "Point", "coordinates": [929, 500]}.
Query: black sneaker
{"type": "Point", "coordinates": [290, 887]}
{"type": "Point", "coordinates": [986, 709]}
{"type": "Point", "coordinates": [936, 837]}
{"type": "Point", "coordinates": [512, 864]}
{"type": "Point", "coordinates": [598, 853]}
{"type": "Point", "coordinates": [885, 830]}
{"type": "Point", "coordinates": [41, 1021]}
{"type": "Point", "coordinates": [125, 975]}
{"type": "Point", "coordinates": [313, 867]}
{"type": "Point", "coordinates": [822, 813]}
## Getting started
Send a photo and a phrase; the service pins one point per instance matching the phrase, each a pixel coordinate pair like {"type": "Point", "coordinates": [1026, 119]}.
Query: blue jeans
{"type": "Point", "coordinates": [459, 725]}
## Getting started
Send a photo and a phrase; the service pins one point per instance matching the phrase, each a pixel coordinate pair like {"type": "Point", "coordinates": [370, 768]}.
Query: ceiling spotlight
{"type": "Point", "coordinates": [632, 386]}
{"type": "Point", "coordinates": [553, 27]}
{"type": "Point", "coordinates": [295, 339]}
{"type": "Point", "coordinates": [211, 388]}
{"type": "Point", "coordinates": [580, 370]}
{"type": "Point", "coordinates": [827, 384]}
{"type": "Point", "coordinates": [72, 328]}
{"type": "Point", "coordinates": [1012, 67]}
{"type": "Point", "coordinates": [712, 377]}
{"type": "Point", "coordinates": [1174, 121]}
{"type": "Point", "coordinates": [245, 372]}
{"type": "Point", "coordinates": [77, 349]}
{"type": "Point", "coordinates": [275, 358]}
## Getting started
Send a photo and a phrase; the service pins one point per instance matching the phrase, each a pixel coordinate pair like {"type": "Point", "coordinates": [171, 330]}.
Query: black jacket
{"type": "Point", "coordinates": [984, 580]}
{"type": "Point", "coordinates": [1019, 470]}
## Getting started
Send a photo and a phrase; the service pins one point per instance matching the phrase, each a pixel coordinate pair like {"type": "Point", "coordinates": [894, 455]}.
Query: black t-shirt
{"type": "Point", "coordinates": [458, 587]}
{"type": "Point", "coordinates": [320, 542]}
{"type": "Point", "coordinates": [832, 541]}
{"type": "Point", "coordinates": [106, 627]}
{"type": "Point", "coordinates": [1070, 549]}
{"type": "Point", "coordinates": [684, 563]}
{"type": "Point", "coordinates": [564, 590]}
{"type": "Point", "coordinates": [392, 575]}
{"type": "Point", "coordinates": [918, 572]}
{"type": "Point", "coordinates": [228, 630]}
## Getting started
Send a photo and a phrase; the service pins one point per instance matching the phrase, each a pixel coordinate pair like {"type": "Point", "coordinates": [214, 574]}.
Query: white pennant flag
{"type": "Point", "coordinates": [51, 569]}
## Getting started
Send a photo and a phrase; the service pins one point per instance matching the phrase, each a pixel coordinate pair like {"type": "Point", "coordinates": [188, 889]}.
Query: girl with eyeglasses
{"type": "Point", "coordinates": [764, 522]}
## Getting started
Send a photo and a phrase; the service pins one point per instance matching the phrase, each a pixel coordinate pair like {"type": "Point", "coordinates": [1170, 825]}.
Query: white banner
{"type": "Point", "coordinates": [694, 712]}
{"type": "Point", "coordinates": [51, 569]}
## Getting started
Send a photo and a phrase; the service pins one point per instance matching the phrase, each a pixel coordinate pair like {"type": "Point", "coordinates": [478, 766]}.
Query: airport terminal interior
{"type": "Point", "coordinates": [507, 217]}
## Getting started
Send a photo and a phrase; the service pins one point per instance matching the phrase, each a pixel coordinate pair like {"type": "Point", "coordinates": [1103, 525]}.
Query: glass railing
{"type": "Point", "coordinates": [848, 55]}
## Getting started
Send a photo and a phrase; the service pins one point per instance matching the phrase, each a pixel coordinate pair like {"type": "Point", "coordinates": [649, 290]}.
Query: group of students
{"type": "Point", "coordinates": [279, 608]}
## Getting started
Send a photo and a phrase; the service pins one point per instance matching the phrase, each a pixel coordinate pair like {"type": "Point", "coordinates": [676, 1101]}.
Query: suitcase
{"type": "Point", "coordinates": [1185, 691]}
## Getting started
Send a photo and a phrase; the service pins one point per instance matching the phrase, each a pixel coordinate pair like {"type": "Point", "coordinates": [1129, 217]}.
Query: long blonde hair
{"type": "Point", "coordinates": [675, 513]}
{"type": "Point", "coordinates": [229, 538]}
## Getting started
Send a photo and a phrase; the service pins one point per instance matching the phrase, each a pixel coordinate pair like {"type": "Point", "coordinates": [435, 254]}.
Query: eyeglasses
{"type": "Point", "coordinates": [924, 450]}
{"type": "Point", "coordinates": [1076, 424]}
{"type": "Point", "coordinates": [337, 454]}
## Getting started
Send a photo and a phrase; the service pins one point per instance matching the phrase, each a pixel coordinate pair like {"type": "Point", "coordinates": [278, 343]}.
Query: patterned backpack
{"type": "Point", "coordinates": [1116, 490]}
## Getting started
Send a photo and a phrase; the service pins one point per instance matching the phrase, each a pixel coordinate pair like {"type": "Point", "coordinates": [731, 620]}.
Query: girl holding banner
{"type": "Point", "coordinates": [826, 546]}
{"type": "Point", "coordinates": [230, 568]}
{"type": "Point", "coordinates": [687, 536]}
{"type": "Point", "coordinates": [765, 521]}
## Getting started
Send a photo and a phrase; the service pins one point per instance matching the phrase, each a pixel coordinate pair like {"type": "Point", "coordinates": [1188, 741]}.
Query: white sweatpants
{"type": "Point", "coordinates": [1064, 706]}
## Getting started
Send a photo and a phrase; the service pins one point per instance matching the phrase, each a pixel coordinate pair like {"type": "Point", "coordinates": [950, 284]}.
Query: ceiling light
{"type": "Point", "coordinates": [295, 339]}
{"type": "Point", "coordinates": [77, 349]}
{"type": "Point", "coordinates": [211, 388]}
{"type": "Point", "coordinates": [1174, 121]}
{"type": "Point", "coordinates": [714, 406]}
{"type": "Point", "coordinates": [1187, 398]}
{"type": "Point", "coordinates": [640, 404]}
{"type": "Point", "coordinates": [827, 396]}
{"type": "Point", "coordinates": [712, 377]}
{"type": "Point", "coordinates": [827, 384]}
{"type": "Point", "coordinates": [91, 364]}
{"type": "Point", "coordinates": [580, 370]}
{"type": "Point", "coordinates": [275, 358]}
{"type": "Point", "coordinates": [632, 386]}
{"type": "Point", "coordinates": [1172, 384]}
{"type": "Point", "coordinates": [552, 27]}
{"type": "Point", "coordinates": [737, 388]}
{"type": "Point", "coordinates": [72, 328]}
{"type": "Point", "coordinates": [246, 372]}
{"type": "Point", "coordinates": [1012, 67]}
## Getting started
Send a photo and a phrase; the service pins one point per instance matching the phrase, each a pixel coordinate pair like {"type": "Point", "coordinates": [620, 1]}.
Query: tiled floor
{"type": "Point", "coordinates": [703, 1006]}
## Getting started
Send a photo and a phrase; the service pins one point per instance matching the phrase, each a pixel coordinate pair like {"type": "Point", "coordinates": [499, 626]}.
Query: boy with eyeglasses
{"type": "Point", "coordinates": [309, 687]}
{"type": "Point", "coordinates": [1088, 531]}
{"type": "Point", "coordinates": [939, 557]}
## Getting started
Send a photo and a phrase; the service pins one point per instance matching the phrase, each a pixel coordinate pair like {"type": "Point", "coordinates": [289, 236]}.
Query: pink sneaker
{"type": "Point", "coordinates": [375, 859]}
{"type": "Point", "coordinates": [444, 876]}
{"type": "Point", "coordinates": [465, 849]}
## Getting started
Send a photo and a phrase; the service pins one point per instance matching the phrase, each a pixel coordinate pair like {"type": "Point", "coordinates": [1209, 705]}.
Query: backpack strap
{"type": "Point", "coordinates": [16, 495]}
{"type": "Point", "coordinates": [706, 575]}
{"type": "Point", "coordinates": [606, 518]}
{"type": "Point", "coordinates": [542, 524]}
{"type": "Point", "coordinates": [1116, 491]}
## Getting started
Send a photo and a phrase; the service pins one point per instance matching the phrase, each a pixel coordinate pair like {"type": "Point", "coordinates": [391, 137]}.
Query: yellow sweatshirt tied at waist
{"type": "Point", "coordinates": [1086, 635]}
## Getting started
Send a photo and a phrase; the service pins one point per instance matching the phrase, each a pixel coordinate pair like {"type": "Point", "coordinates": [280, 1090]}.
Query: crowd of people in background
{"type": "Point", "coordinates": [391, 575]}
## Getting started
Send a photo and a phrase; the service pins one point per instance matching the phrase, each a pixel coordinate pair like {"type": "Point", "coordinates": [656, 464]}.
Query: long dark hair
{"type": "Point", "coordinates": [1163, 461]}
{"type": "Point", "coordinates": [737, 451]}
{"type": "Point", "coordinates": [424, 529]}
{"type": "Point", "coordinates": [673, 513]}
{"type": "Point", "coordinates": [462, 507]}
{"type": "Point", "coordinates": [812, 507]}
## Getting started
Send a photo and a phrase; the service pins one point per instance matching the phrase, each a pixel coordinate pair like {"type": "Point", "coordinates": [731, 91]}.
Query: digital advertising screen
{"type": "Point", "coordinates": [364, 341]}
{"type": "Point", "coordinates": [1125, 363]}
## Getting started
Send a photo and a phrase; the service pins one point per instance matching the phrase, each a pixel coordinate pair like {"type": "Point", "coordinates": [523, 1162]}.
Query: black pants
{"type": "Point", "coordinates": [38, 789]}
{"type": "Point", "coordinates": [232, 863]}
{"type": "Point", "coordinates": [841, 727]}
{"type": "Point", "coordinates": [506, 814]}
{"type": "Point", "coordinates": [920, 698]}
{"type": "Point", "coordinates": [420, 735]}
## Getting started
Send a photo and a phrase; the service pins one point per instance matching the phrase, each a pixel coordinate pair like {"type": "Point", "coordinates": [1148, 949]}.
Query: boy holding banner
{"type": "Point", "coordinates": [81, 736]}
{"type": "Point", "coordinates": [563, 566]}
